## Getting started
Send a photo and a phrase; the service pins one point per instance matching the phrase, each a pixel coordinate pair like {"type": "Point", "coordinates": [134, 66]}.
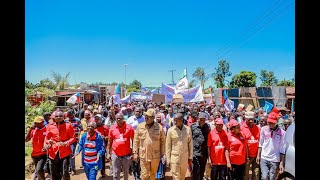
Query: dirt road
{"type": "Point", "coordinates": [80, 174]}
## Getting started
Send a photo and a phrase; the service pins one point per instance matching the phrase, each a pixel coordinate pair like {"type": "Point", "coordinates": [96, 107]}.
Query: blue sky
{"type": "Point", "coordinates": [93, 39]}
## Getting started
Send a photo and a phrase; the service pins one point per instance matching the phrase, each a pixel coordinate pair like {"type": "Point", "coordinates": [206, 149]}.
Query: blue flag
{"type": "Point", "coordinates": [268, 107]}
{"type": "Point", "coordinates": [117, 90]}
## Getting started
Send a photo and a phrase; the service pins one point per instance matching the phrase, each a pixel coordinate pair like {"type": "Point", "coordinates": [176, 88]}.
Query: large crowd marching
{"type": "Point", "coordinates": [145, 139]}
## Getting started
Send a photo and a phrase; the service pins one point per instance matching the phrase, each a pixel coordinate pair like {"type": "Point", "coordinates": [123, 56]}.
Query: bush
{"type": "Point", "coordinates": [27, 151]}
{"type": "Point", "coordinates": [32, 112]}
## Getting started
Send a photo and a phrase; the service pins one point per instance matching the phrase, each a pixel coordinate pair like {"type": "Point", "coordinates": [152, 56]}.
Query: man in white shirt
{"type": "Point", "coordinates": [271, 150]}
{"type": "Point", "coordinates": [134, 121]}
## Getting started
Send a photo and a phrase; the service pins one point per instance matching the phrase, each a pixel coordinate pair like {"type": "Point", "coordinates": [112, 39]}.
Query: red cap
{"type": "Point", "coordinates": [233, 122]}
{"type": "Point", "coordinates": [273, 117]}
{"type": "Point", "coordinates": [218, 121]}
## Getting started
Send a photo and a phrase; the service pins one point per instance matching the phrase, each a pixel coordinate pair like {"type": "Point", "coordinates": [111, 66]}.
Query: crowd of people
{"type": "Point", "coordinates": [145, 139]}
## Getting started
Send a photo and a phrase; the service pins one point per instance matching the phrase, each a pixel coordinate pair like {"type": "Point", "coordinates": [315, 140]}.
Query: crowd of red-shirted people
{"type": "Point", "coordinates": [237, 142]}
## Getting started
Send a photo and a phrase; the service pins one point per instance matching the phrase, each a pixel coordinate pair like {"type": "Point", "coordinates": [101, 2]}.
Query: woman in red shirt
{"type": "Point", "coordinates": [238, 151]}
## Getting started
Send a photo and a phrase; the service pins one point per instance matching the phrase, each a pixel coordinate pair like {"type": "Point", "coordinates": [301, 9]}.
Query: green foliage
{"type": "Point", "coordinates": [47, 83]}
{"type": "Point", "coordinates": [27, 151]}
{"type": "Point", "coordinates": [28, 84]}
{"type": "Point", "coordinates": [222, 72]}
{"type": "Point", "coordinates": [134, 86]}
{"type": "Point", "coordinates": [200, 75]}
{"type": "Point", "coordinates": [244, 79]}
{"type": "Point", "coordinates": [286, 83]}
{"type": "Point", "coordinates": [61, 82]}
{"type": "Point", "coordinates": [268, 78]}
{"type": "Point", "coordinates": [32, 112]}
{"type": "Point", "coordinates": [192, 83]}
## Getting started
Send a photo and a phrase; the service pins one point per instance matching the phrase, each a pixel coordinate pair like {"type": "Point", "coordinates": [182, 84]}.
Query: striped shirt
{"type": "Point", "coordinates": [90, 151]}
{"type": "Point", "coordinates": [76, 124]}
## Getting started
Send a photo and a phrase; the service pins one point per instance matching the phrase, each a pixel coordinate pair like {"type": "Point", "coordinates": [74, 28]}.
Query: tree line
{"type": "Point", "coordinates": [220, 75]}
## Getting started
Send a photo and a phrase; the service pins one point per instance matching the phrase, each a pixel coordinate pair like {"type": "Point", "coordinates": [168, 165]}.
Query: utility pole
{"type": "Point", "coordinates": [125, 79]}
{"type": "Point", "coordinates": [172, 75]}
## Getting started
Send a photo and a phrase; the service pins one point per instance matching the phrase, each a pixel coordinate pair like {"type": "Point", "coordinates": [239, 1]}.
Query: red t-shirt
{"type": "Point", "coordinates": [63, 132]}
{"type": "Point", "coordinates": [103, 130]}
{"type": "Point", "coordinates": [217, 142]}
{"type": "Point", "coordinates": [38, 136]}
{"type": "Point", "coordinates": [237, 148]}
{"type": "Point", "coordinates": [121, 139]}
{"type": "Point", "coordinates": [253, 137]}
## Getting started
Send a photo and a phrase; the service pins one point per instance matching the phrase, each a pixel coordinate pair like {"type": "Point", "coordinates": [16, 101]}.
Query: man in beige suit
{"type": "Point", "coordinates": [149, 145]}
{"type": "Point", "coordinates": [179, 148]}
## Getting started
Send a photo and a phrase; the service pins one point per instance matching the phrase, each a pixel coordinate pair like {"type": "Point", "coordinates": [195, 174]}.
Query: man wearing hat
{"type": "Point", "coordinates": [252, 134]}
{"type": "Point", "coordinates": [38, 155]}
{"type": "Point", "coordinates": [149, 145]}
{"type": "Point", "coordinates": [217, 147]}
{"type": "Point", "coordinates": [238, 151]}
{"type": "Point", "coordinates": [271, 150]}
{"type": "Point", "coordinates": [200, 131]}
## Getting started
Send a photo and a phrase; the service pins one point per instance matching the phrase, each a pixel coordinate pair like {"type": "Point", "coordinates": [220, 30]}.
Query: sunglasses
{"type": "Point", "coordinates": [59, 116]}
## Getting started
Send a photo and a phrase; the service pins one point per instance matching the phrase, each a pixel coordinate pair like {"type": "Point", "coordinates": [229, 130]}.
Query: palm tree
{"type": "Point", "coordinates": [200, 75]}
{"type": "Point", "coordinates": [61, 82]}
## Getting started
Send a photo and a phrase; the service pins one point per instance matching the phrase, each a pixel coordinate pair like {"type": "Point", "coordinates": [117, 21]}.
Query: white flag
{"type": "Point", "coordinates": [74, 98]}
{"type": "Point", "coordinates": [182, 84]}
{"type": "Point", "coordinates": [229, 105]}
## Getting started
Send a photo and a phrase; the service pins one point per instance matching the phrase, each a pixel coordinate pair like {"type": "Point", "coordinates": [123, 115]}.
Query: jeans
{"type": "Point", "coordinates": [73, 160]}
{"type": "Point", "coordinates": [39, 162]}
{"type": "Point", "coordinates": [60, 167]}
{"type": "Point", "coordinates": [269, 168]}
{"type": "Point", "coordinates": [135, 167]}
{"type": "Point", "coordinates": [91, 171]}
{"type": "Point", "coordinates": [218, 172]}
{"type": "Point", "coordinates": [254, 168]}
{"type": "Point", "coordinates": [199, 165]}
{"type": "Point", "coordinates": [118, 163]}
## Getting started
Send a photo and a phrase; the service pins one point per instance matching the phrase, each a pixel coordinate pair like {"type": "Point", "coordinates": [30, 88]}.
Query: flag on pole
{"type": "Point", "coordinates": [116, 96]}
{"type": "Point", "coordinates": [227, 103]}
{"type": "Point", "coordinates": [74, 98]}
{"type": "Point", "coordinates": [267, 107]}
{"type": "Point", "coordinates": [224, 95]}
{"type": "Point", "coordinates": [184, 74]}
{"type": "Point", "coordinates": [182, 84]}
{"type": "Point", "coordinates": [117, 90]}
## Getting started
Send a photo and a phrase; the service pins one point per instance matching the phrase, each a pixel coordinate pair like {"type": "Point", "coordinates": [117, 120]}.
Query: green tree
{"type": "Point", "coordinates": [222, 72]}
{"type": "Point", "coordinates": [134, 86]}
{"type": "Point", "coordinates": [192, 83]}
{"type": "Point", "coordinates": [28, 84]}
{"type": "Point", "coordinates": [268, 78]}
{"type": "Point", "coordinates": [199, 74]}
{"type": "Point", "coordinates": [286, 83]}
{"type": "Point", "coordinates": [61, 82]}
{"type": "Point", "coordinates": [46, 83]}
{"type": "Point", "coordinates": [243, 79]}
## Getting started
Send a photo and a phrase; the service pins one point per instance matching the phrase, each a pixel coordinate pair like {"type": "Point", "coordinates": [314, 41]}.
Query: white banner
{"type": "Point", "coordinates": [188, 94]}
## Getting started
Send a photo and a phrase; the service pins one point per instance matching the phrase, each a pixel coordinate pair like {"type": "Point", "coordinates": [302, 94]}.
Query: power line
{"type": "Point", "coordinates": [236, 43]}
{"type": "Point", "coordinates": [265, 15]}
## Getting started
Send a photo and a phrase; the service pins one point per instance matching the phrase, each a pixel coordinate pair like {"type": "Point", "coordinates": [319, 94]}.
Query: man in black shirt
{"type": "Point", "coordinates": [200, 131]}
